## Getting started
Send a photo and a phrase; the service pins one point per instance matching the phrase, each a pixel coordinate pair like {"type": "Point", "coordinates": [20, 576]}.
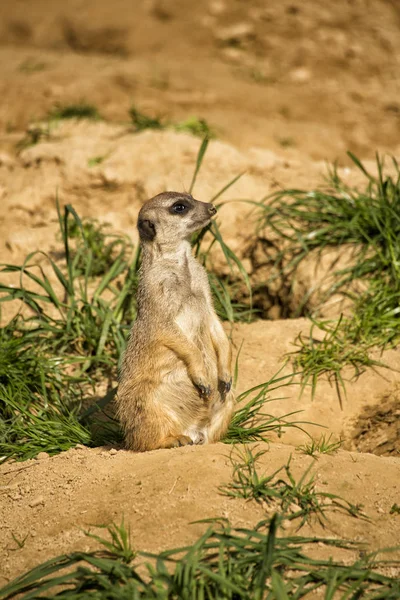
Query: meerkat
{"type": "Point", "coordinates": [175, 383]}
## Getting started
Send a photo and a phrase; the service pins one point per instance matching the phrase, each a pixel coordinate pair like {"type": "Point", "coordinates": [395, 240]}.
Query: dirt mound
{"type": "Point", "coordinates": [377, 428]}
{"type": "Point", "coordinates": [49, 502]}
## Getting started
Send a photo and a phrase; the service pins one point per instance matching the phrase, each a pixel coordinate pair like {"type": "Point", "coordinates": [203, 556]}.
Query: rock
{"type": "Point", "coordinates": [300, 75]}
{"type": "Point", "coordinates": [233, 54]}
{"type": "Point", "coordinates": [36, 501]}
{"type": "Point", "coordinates": [42, 455]}
{"type": "Point", "coordinates": [235, 34]}
{"type": "Point", "coordinates": [113, 451]}
{"type": "Point", "coordinates": [216, 7]}
{"type": "Point", "coordinates": [6, 160]}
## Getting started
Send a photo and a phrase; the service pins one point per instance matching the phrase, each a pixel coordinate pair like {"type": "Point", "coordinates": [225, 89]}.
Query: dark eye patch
{"type": "Point", "coordinates": [179, 208]}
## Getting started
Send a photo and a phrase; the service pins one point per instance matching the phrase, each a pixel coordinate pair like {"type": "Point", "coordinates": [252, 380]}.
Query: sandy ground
{"type": "Point", "coordinates": [286, 87]}
{"type": "Point", "coordinates": [161, 493]}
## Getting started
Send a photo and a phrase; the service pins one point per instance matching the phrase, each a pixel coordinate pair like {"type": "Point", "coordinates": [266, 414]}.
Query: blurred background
{"type": "Point", "coordinates": [311, 77]}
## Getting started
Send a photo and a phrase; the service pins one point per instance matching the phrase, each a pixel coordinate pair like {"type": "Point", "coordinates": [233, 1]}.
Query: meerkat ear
{"type": "Point", "coordinates": [147, 230]}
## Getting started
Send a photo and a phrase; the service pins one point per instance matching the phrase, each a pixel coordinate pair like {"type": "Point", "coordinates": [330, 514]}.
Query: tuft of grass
{"type": "Point", "coordinates": [30, 65]}
{"type": "Point", "coordinates": [323, 445]}
{"type": "Point", "coordinates": [33, 418]}
{"type": "Point", "coordinates": [195, 126]}
{"type": "Point", "coordinates": [293, 499]}
{"type": "Point", "coordinates": [67, 314]}
{"type": "Point", "coordinates": [119, 545]}
{"type": "Point", "coordinates": [20, 542]}
{"type": "Point", "coordinates": [250, 423]}
{"type": "Point", "coordinates": [366, 222]}
{"type": "Point", "coordinates": [259, 76]}
{"type": "Point", "coordinates": [287, 142]}
{"type": "Point", "coordinates": [96, 160]}
{"type": "Point", "coordinates": [78, 110]}
{"type": "Point", "coordinates": [70, 336]}
{"type": "Point", "coordinates": [104, 247]}
{"type": "Point", "coordinates": [34, 134]}
{"type": "Point", "coordinates": [330, 355]}
{"type": "Point", "coordinates": [141, 121]}
{"type": "Point", "coordinates": [226, 290]}
{"type": "Point", "coordinates": [224, 563]}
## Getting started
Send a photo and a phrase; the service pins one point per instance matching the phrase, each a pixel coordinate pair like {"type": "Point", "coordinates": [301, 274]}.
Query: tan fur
{"type": "Point", "coordinates": [175, 379]}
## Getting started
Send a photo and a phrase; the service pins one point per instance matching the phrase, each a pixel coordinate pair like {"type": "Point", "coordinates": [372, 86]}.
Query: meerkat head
{"type": "Point", "coordinates": [172, 217]}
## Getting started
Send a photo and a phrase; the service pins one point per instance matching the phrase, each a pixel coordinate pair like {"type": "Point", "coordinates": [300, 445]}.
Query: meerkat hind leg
{"type": "Point", "coordinates": [175, 441]}
{"type": "Point", "coordinates": [220, 420]}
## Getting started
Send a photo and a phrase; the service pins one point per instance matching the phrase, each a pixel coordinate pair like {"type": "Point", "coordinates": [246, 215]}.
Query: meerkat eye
{"type": "Point", "coordinates": [179, 207]}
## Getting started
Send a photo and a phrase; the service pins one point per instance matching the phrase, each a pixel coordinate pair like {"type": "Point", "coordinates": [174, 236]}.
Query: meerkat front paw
{"type": "Point", "coordinates": [204, 389]}
{"type": "Point", "coordinates": [224, 385]}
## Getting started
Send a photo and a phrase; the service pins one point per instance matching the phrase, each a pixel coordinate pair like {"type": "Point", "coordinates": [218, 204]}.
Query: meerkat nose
{"type": "Point", "coordinates": [212, 210]}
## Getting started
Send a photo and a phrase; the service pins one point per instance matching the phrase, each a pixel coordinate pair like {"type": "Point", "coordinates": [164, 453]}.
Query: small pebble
{"type": "Point", "coordinates": [42, 455]}
{"type": "Point", "coordinates": [36, 501]}
{"type": "Point", "coordinates": [235, 33]}
{"type": "Point", "coordinates": [113, 451]}
{"type": "Point", "coordinates": [300, 75]}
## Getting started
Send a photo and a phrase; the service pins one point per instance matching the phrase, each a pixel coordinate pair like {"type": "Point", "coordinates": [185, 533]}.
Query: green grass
{"type": "Point", "coordinates": [104, 247]}
{"type": "Point", "coordinates": [77, 110]}
{"type": "Point", "coordinates": [280, 491]}
{"type": "Point", "coordinates": [223, 563]}
{"type": "Point", "coordinates": [30, 65]}
{"type": "Point", "coordinates": [71, 310]}
{"type": "Point", "coordinates": [193, 125]}
{"type": "Point", "coordinates": [69, 338]}
{"type": "Point", "coordinates": [97, 160]}
{"type": "Point", "coordinates": [251, 422]}
{"type": "Point", "coordinates": [42, 131]}
{"type": "Point", "coordinates": [367, 224]}
{"type": "Point", "coordinates": [141, 121]}
{"type": "Point", "coordinates": [34, 134]}
{"type": "Point", "coordinates": [322, 445]}
{"type": "Point", "coordinates": [38, 398]}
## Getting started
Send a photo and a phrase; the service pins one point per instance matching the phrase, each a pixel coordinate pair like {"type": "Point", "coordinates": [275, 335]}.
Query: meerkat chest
{"type": "Point", "coordinates": [191, 320]}
{"type": "Point", "coordinates": [193, 316]}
